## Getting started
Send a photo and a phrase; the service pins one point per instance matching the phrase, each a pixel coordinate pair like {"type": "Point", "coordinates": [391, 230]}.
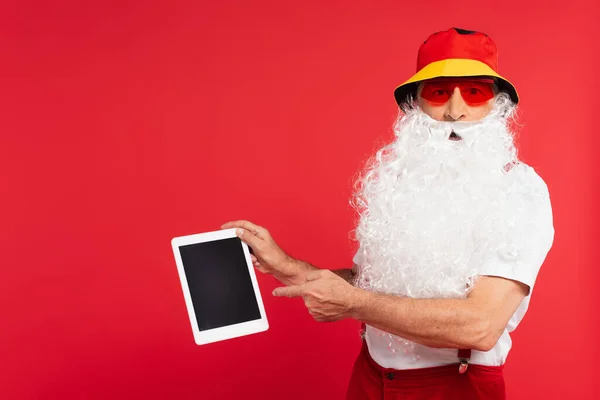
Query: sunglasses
{"type": "Point", "coordinates": [474, 92]}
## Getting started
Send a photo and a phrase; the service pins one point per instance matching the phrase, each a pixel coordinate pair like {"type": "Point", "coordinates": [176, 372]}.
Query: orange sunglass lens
{"type": "Point", "coordinates": [436, 92]}
{"type": "Point", "coordinates": [473, 92]}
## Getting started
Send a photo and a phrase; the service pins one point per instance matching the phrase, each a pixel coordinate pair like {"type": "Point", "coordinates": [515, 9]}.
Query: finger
{"type": "Point", "coordinates": [254, 259]}
{"type": "Point", "coordinates": [289, 291]}
{"type": "Point", "coordinates": [317, 316]}
{"type": "Point", "coordinates": [247, 225]}
{"type": "Point", "coordinates": [250, 239]}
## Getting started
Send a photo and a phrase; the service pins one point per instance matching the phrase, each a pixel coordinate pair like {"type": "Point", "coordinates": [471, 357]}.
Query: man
{"type": "Point", "coordinates": [453, 230]}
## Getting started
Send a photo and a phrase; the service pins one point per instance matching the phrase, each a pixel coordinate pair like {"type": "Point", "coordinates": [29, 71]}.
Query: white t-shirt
{"type": "Point", "coordinates": [522, 270]}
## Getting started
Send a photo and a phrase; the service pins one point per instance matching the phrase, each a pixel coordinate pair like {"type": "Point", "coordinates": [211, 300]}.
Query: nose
{"type": "Point", "coordinates": [457, 108]}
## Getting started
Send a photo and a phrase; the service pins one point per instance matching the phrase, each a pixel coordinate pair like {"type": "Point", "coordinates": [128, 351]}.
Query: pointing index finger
{"type": "Point", "coordinates": [289, 291]}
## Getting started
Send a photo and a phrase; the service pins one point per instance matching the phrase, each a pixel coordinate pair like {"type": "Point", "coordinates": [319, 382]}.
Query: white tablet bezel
{"type": "Point", "coordinates": [224, 332]}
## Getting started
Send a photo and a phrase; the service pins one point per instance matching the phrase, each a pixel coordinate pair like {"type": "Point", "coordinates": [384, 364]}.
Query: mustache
{"type": "Point", "coordinates": [455, 130]}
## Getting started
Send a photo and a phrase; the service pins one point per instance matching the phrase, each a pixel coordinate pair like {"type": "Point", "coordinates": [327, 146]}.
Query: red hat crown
{"type": "Point", "coordinates": [458, 43]}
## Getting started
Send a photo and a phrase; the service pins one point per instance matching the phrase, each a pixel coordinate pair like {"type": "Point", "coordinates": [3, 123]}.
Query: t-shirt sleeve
{"type": "Point", "coordinates": [529, 237]}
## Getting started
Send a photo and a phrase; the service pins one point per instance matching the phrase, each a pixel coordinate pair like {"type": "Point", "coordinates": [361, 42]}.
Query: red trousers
{"type": "Point", "coordinates": [369, 381]}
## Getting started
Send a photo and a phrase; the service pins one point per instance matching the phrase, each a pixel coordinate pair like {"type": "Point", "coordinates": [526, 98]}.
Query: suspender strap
{"type": "Point", "coordinates": [463, 355]}
{"type": "Point", "coordinates": [363, 331]}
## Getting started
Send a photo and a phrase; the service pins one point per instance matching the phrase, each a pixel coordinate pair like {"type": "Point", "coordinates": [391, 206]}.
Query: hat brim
{"type": "Point", "coordinates": [452, 67]}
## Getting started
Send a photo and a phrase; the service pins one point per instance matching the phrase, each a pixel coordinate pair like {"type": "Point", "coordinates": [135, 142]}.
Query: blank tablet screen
{"type": "Point", "coordinates": [219, 282]}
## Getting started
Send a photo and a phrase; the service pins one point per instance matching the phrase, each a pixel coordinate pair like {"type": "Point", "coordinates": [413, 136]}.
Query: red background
{"type": "Point", "coordinates": [124, 124]}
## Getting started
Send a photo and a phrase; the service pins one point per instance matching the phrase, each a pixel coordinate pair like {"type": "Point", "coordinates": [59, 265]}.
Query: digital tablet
{"type": "Point", "coordinates": [219, 286]}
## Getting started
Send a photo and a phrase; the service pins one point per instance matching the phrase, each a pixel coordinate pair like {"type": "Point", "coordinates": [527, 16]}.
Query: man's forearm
{"type": "Point", "coordinates": [440, 323]}
{"type": "Point", "coordinates": [302, 268]}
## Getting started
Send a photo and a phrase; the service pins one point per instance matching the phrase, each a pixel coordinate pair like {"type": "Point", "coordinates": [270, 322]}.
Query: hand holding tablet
{"type": "Point", "coordinates": [271, 259]}
{"type": "Point", "coordinates": [219, 286]}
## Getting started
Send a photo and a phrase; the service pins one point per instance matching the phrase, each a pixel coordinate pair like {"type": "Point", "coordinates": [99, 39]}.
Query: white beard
{"type": "Point", "coordinates": [431, 209]}
{"type": "Point", "coordinates": [432, 206]}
